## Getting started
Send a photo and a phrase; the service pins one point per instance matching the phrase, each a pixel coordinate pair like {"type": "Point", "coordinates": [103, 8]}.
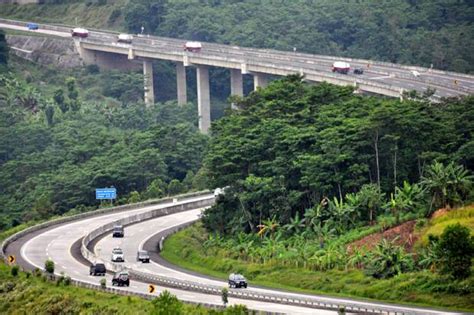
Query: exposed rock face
{"type": "Point", "coordinates": [45, 50]}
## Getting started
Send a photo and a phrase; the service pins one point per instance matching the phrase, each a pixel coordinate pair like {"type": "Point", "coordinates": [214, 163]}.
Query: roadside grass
{"type": "Point", "coordinates": [185, 249]}
{"type": "Point", "coordinates": [93, 15]}
{"type": "Point", "coordinates": [464, 216]}
{"type": "Point", "coordinates": [29, 294]}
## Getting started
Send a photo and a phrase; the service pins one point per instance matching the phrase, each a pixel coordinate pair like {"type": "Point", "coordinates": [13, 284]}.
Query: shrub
{"type": "Point", "coordinates": [455, 250]}
{"type": "Point", "coordinates": [15, 270]}
{"type": "Point", "coordinates": [67, 280]}
{"type": "Point", "coordinates": [103, 283]}
{"type": "Point", "coordinates": [237, 310]}
{"type": "Point", "coordinates": [225, 296]}
{"type": "Point", "coordinates": [388, 260]}
{"type": "Point", "coordinates": [166, 304]}
{"type": "Point", "coordinates": [92, 69]}
{"type": "Point", "coordinates": [49, 266]}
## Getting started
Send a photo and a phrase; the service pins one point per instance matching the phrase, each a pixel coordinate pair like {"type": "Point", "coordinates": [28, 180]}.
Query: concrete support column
{"type": "Point", "coordinates": [204, 98]}
{"type": "Point", "coordinates": [236, 84]}
{"type": "Point", "coordinates": [148, 82]}
{"type": "Point", "coordinates": [181, 83]}
{"type": "Point", "coordinates": [259, 80]}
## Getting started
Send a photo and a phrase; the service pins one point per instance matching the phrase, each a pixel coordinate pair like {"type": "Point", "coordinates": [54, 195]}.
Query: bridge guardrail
{"type": "Point", "coordinates": [305, 59]}
{"type": "Point", "coordinates": [272, 52]}
{"type": "Point", "coordinates": [346, 80]}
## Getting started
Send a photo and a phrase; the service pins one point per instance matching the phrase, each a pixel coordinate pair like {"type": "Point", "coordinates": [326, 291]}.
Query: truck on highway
{"type": "Point", "coordinates": [193, 46]}
{"type": "Point", "coordinates": [125, 38]}
{"type": "Point", "coordinates": [341, 67]}
{"type": "Point", "coordinates": [79, 32]}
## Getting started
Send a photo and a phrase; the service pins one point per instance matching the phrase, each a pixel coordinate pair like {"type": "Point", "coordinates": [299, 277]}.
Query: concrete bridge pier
{"type": "Point", "coordinates": [148, 82]}
{"type": "Point", "coordinates": [204, 98]}
{"type": "Point", "coordinates": [260, 80]}
{"type": "Point", "coordinates": [181, 83]}
{"type": "Point", "coordinates": [236, 84]}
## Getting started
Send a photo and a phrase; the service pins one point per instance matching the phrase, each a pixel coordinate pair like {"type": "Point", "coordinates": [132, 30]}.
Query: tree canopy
{"type": "Point", "coordinates": [294, 144]}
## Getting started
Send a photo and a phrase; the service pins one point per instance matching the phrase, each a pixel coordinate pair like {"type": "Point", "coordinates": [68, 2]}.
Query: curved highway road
{"type": "Point", "coordinates": [56, 244]}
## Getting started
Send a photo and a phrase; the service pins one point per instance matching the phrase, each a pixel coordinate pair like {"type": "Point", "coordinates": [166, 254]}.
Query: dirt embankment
{"type": "Point", "coordinates": [403, 235]}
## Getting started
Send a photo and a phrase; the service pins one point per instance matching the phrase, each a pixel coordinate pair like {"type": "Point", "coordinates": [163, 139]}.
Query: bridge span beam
{"type": "Point", "coordinates": [236, 84]}
{"type": "Point", "coordinates": [204, 98]}
{"type": "Point", "coordinates": [181, 83]}
{"type": "Point", "coordinates": [148, 82]}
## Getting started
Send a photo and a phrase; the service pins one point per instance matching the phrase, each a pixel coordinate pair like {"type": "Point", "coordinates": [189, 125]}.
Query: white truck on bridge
{"type": "Point", "coordinates": [341, 67]}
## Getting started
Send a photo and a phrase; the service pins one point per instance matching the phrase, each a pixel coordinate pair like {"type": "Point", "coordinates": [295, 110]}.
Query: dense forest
{"type": "Point", "coordinates": [294, 148]}
{"type": "Point", "coordinates": [62, 139]}
{"type": "Point", "coordinates": [333, 192]}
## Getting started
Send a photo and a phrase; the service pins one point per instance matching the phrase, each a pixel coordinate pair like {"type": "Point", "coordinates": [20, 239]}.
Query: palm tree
{"type": "Point", "coordinates": [296, 224]}
{"type": "Point", "coordinates": [371, 197]}
{"type": "Point", "coordinates": [268, 226]}
{"type": "Point", "coordinates": [356, 259]}
{"type": "Point", "coordinates": [448, 184]}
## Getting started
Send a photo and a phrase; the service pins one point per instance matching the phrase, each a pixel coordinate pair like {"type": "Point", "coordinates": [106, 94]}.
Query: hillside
{"type": "Point", "coordinates": [413, 32]}
{"type": "Point", "coordinates": [64, 133]}
{"type": "Point", "coordinates": [328, 192]}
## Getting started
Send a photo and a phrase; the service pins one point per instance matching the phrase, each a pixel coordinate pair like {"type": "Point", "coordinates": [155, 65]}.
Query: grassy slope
{"type": "Point", "coordinates": [34, 295]}
{"type": "Point", "coordinates": [185, 249]}
{"type": "Point", "coordinates": [97, 16]}
{"type": "Point", "coordinates": [464, 216]}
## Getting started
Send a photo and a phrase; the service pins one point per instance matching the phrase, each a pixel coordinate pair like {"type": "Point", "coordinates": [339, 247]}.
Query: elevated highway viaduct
{"type": "Point", "coordinates": [101, 48]}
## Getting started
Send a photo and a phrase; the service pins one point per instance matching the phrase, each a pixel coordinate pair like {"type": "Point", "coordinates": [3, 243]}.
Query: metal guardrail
{"type": "Point", "coordinates": [288, 59]}
{"type": "Point", "coordinates": [211, 59]}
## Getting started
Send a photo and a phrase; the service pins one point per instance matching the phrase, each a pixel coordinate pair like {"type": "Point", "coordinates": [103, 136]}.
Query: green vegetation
{"type": "Point", "coordinates": [63, 134]}
{"type": "Point", "coordinates": [436, 226]}
{"type": "Point", "coordinates": [190, 249]}
{"type": "Point", "coordinates": [98, 14]}
{"type": "Point", "coordinates": [32, 293]}
{"type": "Point", "coordinates": [302, 158]}
{"type": "Point", "coordinates": [311, 169]}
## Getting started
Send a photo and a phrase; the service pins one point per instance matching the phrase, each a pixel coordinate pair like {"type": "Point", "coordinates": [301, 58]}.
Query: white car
{"type": "Point", "coordinates": [79, 32]}
{"type": "Point", "coordinates": [125, 38]}
{"type": "Point", "coordinates": [117, 255]}
{"type": "Point", "coordinates": [193, 47]}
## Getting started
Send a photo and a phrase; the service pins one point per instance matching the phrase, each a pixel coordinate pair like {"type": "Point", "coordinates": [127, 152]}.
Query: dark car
{"type": "Point", "coordinates": [142, 255]}
{"type": "Point", "coordinates": [97, 270]}
{"type": "Point", "coordinates": [118, 231]}
{"type": "Point", "coordinates": [237, 281]}
{"type": "Point", "coordinates": [121, 278]}
{"type": "Point", "coordinates": [32, 26]}
{"type": "Point", "coordinates": [358, 71]}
